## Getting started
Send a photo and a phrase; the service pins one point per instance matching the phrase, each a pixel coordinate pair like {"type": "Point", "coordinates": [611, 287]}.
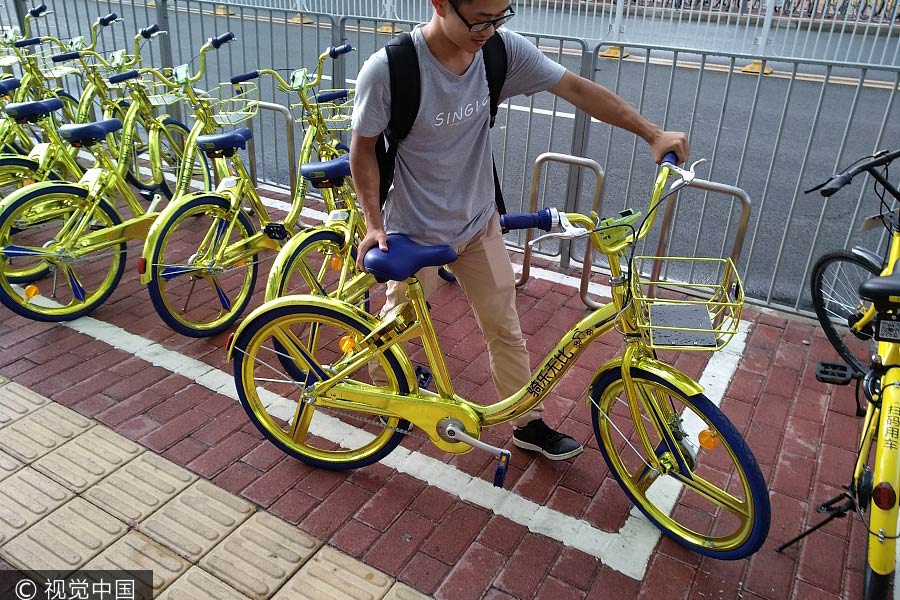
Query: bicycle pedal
{"type": "Point", "coordinates": [423, 377]}
{"type": "Point", "coordinates": [502, 466]}
{"type": "Point", "coordinates": [833, 372]}
{"type": "Point", "coordinates": [276, 231]}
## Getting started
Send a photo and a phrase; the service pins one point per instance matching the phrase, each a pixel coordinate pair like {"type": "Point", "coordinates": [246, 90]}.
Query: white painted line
{"type": "Point", "coordinates": [627, 551]}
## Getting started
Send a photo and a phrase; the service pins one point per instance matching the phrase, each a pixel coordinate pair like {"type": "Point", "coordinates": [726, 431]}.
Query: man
{"type": "Point", "coordinates": [443, 190]}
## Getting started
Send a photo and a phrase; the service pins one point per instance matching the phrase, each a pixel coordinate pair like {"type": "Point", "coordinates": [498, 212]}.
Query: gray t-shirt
{"type": "Point", "coordinates": [443, 190]}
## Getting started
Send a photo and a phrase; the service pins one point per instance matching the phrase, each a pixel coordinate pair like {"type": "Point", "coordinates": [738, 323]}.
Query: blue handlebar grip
{"type": "Point", "coordinates": [671, 158]}
{"type": "Point", "coordinates": [336, 51]}
{"type": "Point", "coordinates": [38, 10]}
{"type": "Point", "coordinates": [147, 32]}
{"type": "Point", "coordinates": [58, 58]}
{"type": "Point", "coordinates": [29, 42]}
{"type": "Point", "coordinates": [217, 41]}
{"type": "Point", "coordinates": [244, 77]}
{"type": "Point", "coordinates": [120, 77]}
{"type": "Point", "coordinates": [104, 21]}
{"type": "Point", "coordinates": [541, 219]}
{"type": "Point", "coordinates": [332, 96]}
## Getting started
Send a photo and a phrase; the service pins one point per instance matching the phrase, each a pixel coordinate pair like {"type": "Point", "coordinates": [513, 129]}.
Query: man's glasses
{"type": "Point", "coordinates": [482, 25]}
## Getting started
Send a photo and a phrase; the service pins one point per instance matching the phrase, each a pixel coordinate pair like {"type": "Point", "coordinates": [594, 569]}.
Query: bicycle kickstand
{"type": "Point", "coordinates": [834, 512]}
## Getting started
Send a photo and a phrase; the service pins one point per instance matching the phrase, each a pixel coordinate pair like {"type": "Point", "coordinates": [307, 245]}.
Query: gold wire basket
{"type": "Point", "coordinates": [233, 103]}
{"type": "Point", "coordinates": [702, 314]}
{"type": "Point", "coordinates": [336, 113]}
{"type": "Point", "coordinates": [159, 93]}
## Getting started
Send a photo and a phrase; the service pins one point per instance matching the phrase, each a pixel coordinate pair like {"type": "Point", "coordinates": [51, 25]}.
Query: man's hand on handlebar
{"type": "Point", "coordinates": [670, 141]}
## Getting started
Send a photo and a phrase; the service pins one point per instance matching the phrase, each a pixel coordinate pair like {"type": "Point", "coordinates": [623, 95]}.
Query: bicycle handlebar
{"type": "Point", "coordinates": [27, 42]}
{"type": "Point", "coordinates": [217, 41]}
{"type": "Point", "coordinates": [108, 19]}
{"type": "Point", "coordinates": [66, 56]}
{"type": "Point", "coordinates": [542, 219]}
{"type": "Point", "coordinates": [332, 96]}
{"type": "Point", "coordinates": [836, 182]}
{"type": "Point", "coordinates": [120, 77]}
{"type": "Point", "coordinates": [148, 32]}
{"type": "Point", "coordinates": [37, 11]}
{"type": "Point", "coordinates": [336, 51]}
{"type": "Point", "coordinates": [244, 77]}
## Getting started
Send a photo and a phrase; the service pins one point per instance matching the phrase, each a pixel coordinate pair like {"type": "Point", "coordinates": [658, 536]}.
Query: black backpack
{"type": "Point", "coordinates": [406, 93]}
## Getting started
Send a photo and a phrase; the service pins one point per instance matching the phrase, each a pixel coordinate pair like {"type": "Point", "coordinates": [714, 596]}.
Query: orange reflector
{"type": "Point", "coordinates": [31, 291]}
{"type": "Point", "coordinates": [884, 496]}
{"type": "Point", "coordinates": [27, 181]}
{"type": "Point", "coordinates": [241, 263]}
{"type": "Point", "coordinates": [708, 439]}
{"type": "Point", "coordinates": [347, 343]}
{"type": "Point", "coordinates": [336, 263]}
{"type": "Point", "coordinates": [229, 340]}
{"type": "Point", "coordinates": [142, 265]}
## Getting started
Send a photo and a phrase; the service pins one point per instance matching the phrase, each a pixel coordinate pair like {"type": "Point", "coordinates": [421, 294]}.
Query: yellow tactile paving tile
{"type": "Point", "coordinates": [137, 552]}
{"type": "Point", "coordinates": [42, 431]}
{"type": "Point", "coordinates": [26, 497]}
{"type": "Point", "coordinates": [260, 555]}
{"type": "Point", "coordinates": [333, 575]}
{"type": "Point", "coordinates": [197, 584]}
{"type": "Point", "coordinates": [197, 519]}
{"type": "Point", "coordinates": [66, 539]}
{"type": "Point", "coordinates": [85, 460]}
{"type": "Point", "coordinates": [17, 401]}
{"type": "Point", "coordinates": [139, 488]}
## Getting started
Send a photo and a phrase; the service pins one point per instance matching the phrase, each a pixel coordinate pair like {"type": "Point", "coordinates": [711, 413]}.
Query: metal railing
{"type": "Point", "coordinates": [772, 136]}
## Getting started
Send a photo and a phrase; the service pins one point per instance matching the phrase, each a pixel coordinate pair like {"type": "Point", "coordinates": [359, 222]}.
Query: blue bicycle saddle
{"type": "Point", "coordinates": [223, 142]}
{"type": "Point", "coordinates": [90, 133]}
{"type": "Point", "coordinates": [404, 258]}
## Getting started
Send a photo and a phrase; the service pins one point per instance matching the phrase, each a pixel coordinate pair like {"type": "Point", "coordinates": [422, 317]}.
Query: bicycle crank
{"type": "Point", "coordinates": [453, 431]}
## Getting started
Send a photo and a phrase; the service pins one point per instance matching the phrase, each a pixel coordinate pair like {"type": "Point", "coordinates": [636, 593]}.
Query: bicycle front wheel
{"type": "Point", "coordinates": [197, 286]}
{"type": "Point", "coordinates": [39, 245]}
{"type": "Point", "coordinates": [835, 294]}
{"type": "Point", "coordinates": [708, 494]}
{"type": "Point", "coordinates": [282, 402]}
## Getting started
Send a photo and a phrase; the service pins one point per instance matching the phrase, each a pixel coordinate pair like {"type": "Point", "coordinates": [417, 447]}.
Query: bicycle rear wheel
{"type": "Point", "coordinates": [198, 287]}
{"type": "Point", "coordinates": [712, 499]}
{"type": "Point", "coordinates": [38, 246]}
{"type": "Point", "coordinates": [283, 405]}
{"type": "Point", "coordinates": [835, 294]}
{"type": "Point", "coordinates": [875, 585]}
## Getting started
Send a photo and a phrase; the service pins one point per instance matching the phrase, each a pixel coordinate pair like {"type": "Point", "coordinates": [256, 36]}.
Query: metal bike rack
{"type": "Point", "coordinates": [712, 186]}
{"type": "Point", "coordinates": [596, 205]}
{"type": "Point", "coordinates": [292, 162]}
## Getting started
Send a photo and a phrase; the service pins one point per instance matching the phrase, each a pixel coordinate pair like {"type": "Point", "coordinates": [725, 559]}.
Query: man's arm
{"type": "Point", "coordinates": [367, 181]}
{"type": "Point", "coordinates": [606, 106]}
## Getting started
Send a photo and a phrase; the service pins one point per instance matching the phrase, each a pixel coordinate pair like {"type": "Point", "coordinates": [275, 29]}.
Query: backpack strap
{"type": "Point", "coordinates": [495, 61]}
{"type": "Point", "coordinates": [494, 56]}
{"type": "Point", "coordinates": [406, 92]}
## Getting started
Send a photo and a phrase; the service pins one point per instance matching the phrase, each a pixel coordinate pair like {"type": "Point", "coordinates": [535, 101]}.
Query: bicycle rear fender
{"type": "Point", "coordinates": [57, 187]}
{"type": "Point", "coordinates": [157, 227]}
{"type": "Point", "coordinates": [867, 255]}
{"type": "Point", "coordinates": [683, 382]}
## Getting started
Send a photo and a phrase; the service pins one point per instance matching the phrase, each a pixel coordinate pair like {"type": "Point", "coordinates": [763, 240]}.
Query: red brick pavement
{"type": "Point", "coordinates": [801, 431]}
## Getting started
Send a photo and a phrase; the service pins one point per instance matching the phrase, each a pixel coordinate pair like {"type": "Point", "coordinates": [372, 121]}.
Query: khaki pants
{"type": "Point", "coordinates": [485, 273]}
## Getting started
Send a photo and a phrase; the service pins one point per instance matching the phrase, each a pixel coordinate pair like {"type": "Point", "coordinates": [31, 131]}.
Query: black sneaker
{"type": "Point", "coordinates": [539, 437]}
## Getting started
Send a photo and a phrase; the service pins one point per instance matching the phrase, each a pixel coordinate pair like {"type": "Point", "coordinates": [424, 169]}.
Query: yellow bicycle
{"type": "Point", "coordinates": [300, 368]}
{"type": "Point", "coordinates": [855, 294]}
